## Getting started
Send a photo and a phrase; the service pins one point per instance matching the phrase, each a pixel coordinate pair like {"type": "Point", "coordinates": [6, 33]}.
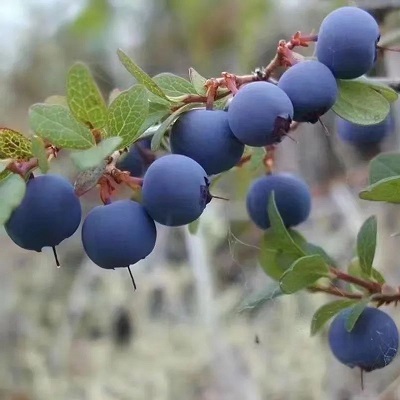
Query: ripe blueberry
{"type": "Point", "coordinates": [364, 134]}
{"type": "Point", "coordinates": [347, 42]}
{"type": "Point", "coordinates": [292, 198]}
{"type": "Point", "coordinates": [260, 114]}
{"type": "Point", "coordinates": [372, 343]}
{"type": "Point", "coordinates": [312, 89]}
{"type": "Point", "coordinates": [49, 213]}
{"type": "Point", "coordinates": [135, 160]}
{"type": "Point", "coordinates": [205, 136]}
{"type": "Point", "coordinates": [118, 234]}
{"type": "Point", "coordinates": [175, 190]}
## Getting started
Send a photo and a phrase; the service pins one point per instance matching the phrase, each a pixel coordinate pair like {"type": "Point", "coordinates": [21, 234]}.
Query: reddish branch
{"type": "Point", "coordinates": [378, 293]}
{"type": "Point", "coordinates": [23, 168]}
{"type": "Point", "coordinates": [284, 57]}
{"type": "Point", "coordinates": [371, 287]}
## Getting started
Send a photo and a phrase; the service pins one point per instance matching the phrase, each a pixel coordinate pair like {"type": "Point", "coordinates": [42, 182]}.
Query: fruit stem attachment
{"type": "Point", "coordinates": [132, 279]}
{"type": "Point", "coordinates": [56, 257]}
{"type": "Point", "coordinates": [269, 158]}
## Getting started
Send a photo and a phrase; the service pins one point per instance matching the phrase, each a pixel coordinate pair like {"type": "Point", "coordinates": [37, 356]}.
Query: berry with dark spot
{"type": "Point", "coordinates": [175, 190]}
{"type": "Point", "coordinates": [312, 89]}
{"type": "Point", "coordinates": [260, 114]}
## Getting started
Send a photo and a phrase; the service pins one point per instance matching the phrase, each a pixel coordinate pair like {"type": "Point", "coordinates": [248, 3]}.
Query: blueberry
{"type": "Point", "coordinates": [49, 213]}
{"type": "Point", "coordinates": [175, 190]}
{"type": "Point", "coordinates": [135, 160]}
{"type": "Point", "coordinates": [372, 343]}
{"type": "Point", "coordinates": [205, 136]}
{"type": "Point", "coordinates": [260, 114]}
{"type": "Point", "coordinates": [292, 198]}
{"type": "Point", "coordinates": [364, 134]}
{"type": "Point", "coordinates": [347, 42]}
{"type": "Point", "coordinates": [312, 89]}
{"type": "Point", "coordinates": [118, 234]}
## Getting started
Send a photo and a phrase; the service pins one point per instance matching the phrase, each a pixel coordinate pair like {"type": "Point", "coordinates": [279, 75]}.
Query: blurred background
{"type": "Point", "coordinates": [82, 333]}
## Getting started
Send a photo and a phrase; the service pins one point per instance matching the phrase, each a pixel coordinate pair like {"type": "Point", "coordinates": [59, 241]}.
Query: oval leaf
{"type": "Point", "coordinates": [366, 244]}
{"type": "Point", "coordinates": [282, 234]}
{"type": "Point", "coordinates": [56, 124]}
{"type": "Point", "coordinates": [198, 82]}
{"type": "Point", "coordinates": [303, 273]}
{"type": "Point", "coordinates": [84, 98]}
{"type": "Point", "coordinates": [273, 258]}
{"type": "Point", "coordinates": [384, 166]}
{"type": "Point", "coordinates": [39, 151]}
{"type": "Point", "coordinates": [127, 113]}
{"type": "Point", "coordinates": [255, 302]}
{"type": "Point", "coordinates": [12, 191]}
{"type": "Point", "coordinates": [93, 157]}
{"type": "Point", "coordinates": [387, 92]}
{"type": "Point", "coordinates": [156, 113]}
{"type": "Point", "coordinates": [14, 145]}
{"type": "Point", "coordinates": [355, 313]}
{"type": "Point", "coordinates": [174, 86]}
{"type": "Point", "coordinates": [387, 189]}
{"type": "Point", "coordinates": [359, 103]}
{"type": "Point", "coordinates": [328, 311]}
{"type": "Point", "coordinates": [140, 75]}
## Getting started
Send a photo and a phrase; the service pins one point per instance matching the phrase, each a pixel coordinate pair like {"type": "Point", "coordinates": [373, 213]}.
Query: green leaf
{"type": "Point", "coordinates": [303, 273]}
{"type": "Point", "coordinates": [383, 166]}
{"type": "Point", "coordinates": [328, 311]}
{"type": "Point", "coordinates": [256, 160]}
{"type": "Point", "coordinates": [312, 249]}
{"type": "Point", "coordinates": [140, 75]}
{"type": "Point", "coordinates": [354, 269]}
{"type": "Point", "coordinates": [273, 257]}
{"type": "Point", "coordinates": [84, 98]}
{"type": "Point", "coordinates": [366, 244]}
{"type": "Point", "coordinates": [359, 103]}
{"type": "Point", "coordinates": [387, 189]}
{"type": "Point", "coordinates": [388, 93]}
{"type": "Point", "coordinates": [277, 226]}
{"type": "Point", "coordinates": [127, 113]}
{"type": "Point", "coordinates": [14, 145]}
{"type": "Point", "coordinates": [39, 151]}
{"type": "Point", "coordinates": [198, 82]}
{"type": "Point", "coordinates": [156, 113]}
{"type": "Point", "coordinates": [162, 130]}
{"type": "Point", "coordinates": [355, 313]}
{"type": "Point", "coordinates": [255, 302]}
{"type": "Point", "coordinates": [56, 124]}
{"type": "Point", "coordinates": [94, 156]}
{"type": "Point", "coordinates": [174, 86]}
{"type": "Point", "coordinates": [12, 191]}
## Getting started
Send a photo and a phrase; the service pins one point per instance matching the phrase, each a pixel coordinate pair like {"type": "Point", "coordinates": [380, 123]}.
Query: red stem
{"type": "Point", "coordinates": [372, 287]}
